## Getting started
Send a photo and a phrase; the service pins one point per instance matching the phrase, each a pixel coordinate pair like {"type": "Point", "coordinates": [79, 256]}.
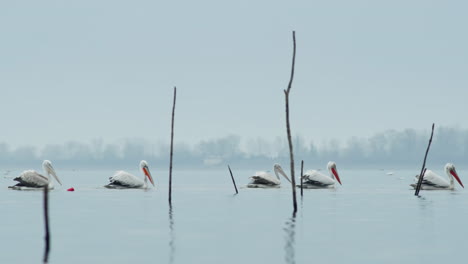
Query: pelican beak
{"type": "Point", "coordinates": [336, 175]}
{"type": "Point", "coordinates": [280, 170]}
{"type": "Point", "coordinates": [455, 175]}
{"type": "Point", "coordinates": [148, 174]}
{"type": "Point", "coordinates": [52, 172]}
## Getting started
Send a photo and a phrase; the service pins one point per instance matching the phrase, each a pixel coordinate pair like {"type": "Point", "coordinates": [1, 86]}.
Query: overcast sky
{"type": "Point", "coordinates": [80, 70]}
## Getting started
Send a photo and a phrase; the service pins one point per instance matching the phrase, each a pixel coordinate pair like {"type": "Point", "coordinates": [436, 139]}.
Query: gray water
{"type": "Point", "coordinates": [372, 218]}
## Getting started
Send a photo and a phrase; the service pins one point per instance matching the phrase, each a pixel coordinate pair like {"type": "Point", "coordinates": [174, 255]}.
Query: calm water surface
{"type": "Point", "coordinates": [372, 218]}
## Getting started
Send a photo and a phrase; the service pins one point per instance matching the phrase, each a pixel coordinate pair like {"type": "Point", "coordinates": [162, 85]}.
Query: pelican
{"type": "Point", "coordinates": [432, 181]}
{"type": "Point", "coordinates": [30, 179]}
{"type": "Point", "coordinates": [125, 180]}
{"type": "Point", "coordinates": [313, 179]}
{"type": "Point", "coordinates": [263, 179]}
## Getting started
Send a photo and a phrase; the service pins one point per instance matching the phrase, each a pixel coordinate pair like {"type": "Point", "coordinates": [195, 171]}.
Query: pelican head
{"type": "Point", "coordinates": [333, 172]}
{"type": "Point", "coordinates": [279, 170]}
{"type": "Point", "coordinates": [452, 173]}
{"type": "Point", "coordinates": [146, 172]}
{"type": "Point", "coordinates": [49, 169]}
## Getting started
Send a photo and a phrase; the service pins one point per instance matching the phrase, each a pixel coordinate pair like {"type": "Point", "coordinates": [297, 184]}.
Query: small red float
{"type": "Point", "coordinates": [71, 189]}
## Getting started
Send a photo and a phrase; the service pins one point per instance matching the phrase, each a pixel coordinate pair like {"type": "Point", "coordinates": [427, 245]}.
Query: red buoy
{"type": "Point", "coordinates": [71, 189]}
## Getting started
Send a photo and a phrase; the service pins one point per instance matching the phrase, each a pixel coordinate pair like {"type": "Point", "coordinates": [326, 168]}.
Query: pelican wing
{"type": "Point", "coordinates": [314, 177]}
{"type": "Point", "coordinates": [123, 179]}
{"type": "Point", "coordinates": [433, 180]}
{"type": "Point", "coordinates": [31, 178]}
{"type": "Point", "coordinates": [263, 177]}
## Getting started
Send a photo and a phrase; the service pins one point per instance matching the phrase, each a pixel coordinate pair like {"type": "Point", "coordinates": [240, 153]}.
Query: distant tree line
{"type": "Point", "coordinates": [389, 149]}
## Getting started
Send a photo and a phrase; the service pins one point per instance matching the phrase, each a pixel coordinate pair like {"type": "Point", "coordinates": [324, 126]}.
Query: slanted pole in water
{"type": "Point", "coordinates": [288, 127]}
{"type": "Point", "coordinates": [46, 220]}
{"type": "Point", "coordinates": [233, 181]}
{"type": "Point", "coordinates": [423, 170]}
{"type": "Point", "coordinates": [302, 180]}
{"type": "Point", "coordinates": [172, 147]}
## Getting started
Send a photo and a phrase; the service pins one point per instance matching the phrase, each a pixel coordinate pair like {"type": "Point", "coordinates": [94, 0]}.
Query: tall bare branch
{"type": "Point", "coordinates": [172, 146]}
{"type": "Point", "coordinates": [288, 126]}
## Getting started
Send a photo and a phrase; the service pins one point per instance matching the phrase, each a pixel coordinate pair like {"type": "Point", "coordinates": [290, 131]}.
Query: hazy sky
{"type": "Point", "coordinates": [79, 70]}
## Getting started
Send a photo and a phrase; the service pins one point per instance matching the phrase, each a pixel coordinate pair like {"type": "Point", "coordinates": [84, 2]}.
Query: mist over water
{"type": "Point", "coordinates": [389, 149]}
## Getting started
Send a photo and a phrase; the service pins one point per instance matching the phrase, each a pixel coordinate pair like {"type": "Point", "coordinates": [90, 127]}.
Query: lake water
{"type": "Point", "coordinates": [372, 218]}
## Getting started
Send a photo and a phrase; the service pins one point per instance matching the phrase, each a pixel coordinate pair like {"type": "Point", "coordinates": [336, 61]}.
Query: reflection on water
{"type": "Point", "coordinates": [171, 236]}
{"type": "Point", "coordinates": [371, 219]}
{"type": "Point", "coordinates": [426, 211]}
{"type": "Point", "coordinates": [290, 230]}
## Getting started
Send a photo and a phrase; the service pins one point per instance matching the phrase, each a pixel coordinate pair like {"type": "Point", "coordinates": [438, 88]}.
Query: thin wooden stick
{"type": "Point", "coordinates": [293, 63]}
{"type": "Point", "coordinates": [46, 220]}
{"type": "Point", "coordinates": [288, 128]}
{"type": "Point", "coordinates": [423, 170]}
{"type": "Point", "coordinates": [172, 147]}
{"type": "Point", "coordinates": [302, 180]}
{"type": "Point", "coordinates": [233, 181]}
{"type": "Point", "coordinates": [418, 187]}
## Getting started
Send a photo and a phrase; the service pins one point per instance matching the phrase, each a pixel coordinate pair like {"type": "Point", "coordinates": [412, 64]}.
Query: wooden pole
{"type": "Point", "coordinates": [233, 181]}
{"type": "Point", "coordinates": [46, 220]}
{"type": "Point", "coordinates": [288, 128]}
{"type": "Point", "coordinates": [302, 180]}
{"type": "Point", "coordinates": [172, 147]}
{"type": "Point", "coordinates": [423, 170]}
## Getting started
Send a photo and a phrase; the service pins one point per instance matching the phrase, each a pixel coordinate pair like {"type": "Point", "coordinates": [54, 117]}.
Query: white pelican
{"type": "Point", "coordinates": [313, 179]}
{"type": "Point", "coordinates": [125, 180]}
{"type": "Point", "coordinates": [432, 181]}
{"type": "Point", "coordinates": [32, 179]}
{"type": "Point", "coordinates": [263, 179]}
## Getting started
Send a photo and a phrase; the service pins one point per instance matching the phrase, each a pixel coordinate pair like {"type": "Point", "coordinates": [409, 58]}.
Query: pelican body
{"type": "Point", "coordinates": [313, 179]}
{"type": "Point", "coordinates": [31, 179]}
{"type": "Point", "coordinates": [125, 180]}
{"type": "Point", "coordinates": [263, 179]}
{"type": "Point", "coordinates": [432, 181]}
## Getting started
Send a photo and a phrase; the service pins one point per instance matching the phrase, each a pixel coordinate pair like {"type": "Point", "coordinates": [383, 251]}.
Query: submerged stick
{"type": "Point", "coordinates": [46, 220]}
{"type": "Point", "coordinates": [288, 128]}
{"type": "Point", "coordinates": [172, 147]}
{"type": "Point", "coordinates": [233, 181]}
{"type": "Point", "coordinates": [423, 170]}
{"type": "Point", "coordinates": [302, 180]}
